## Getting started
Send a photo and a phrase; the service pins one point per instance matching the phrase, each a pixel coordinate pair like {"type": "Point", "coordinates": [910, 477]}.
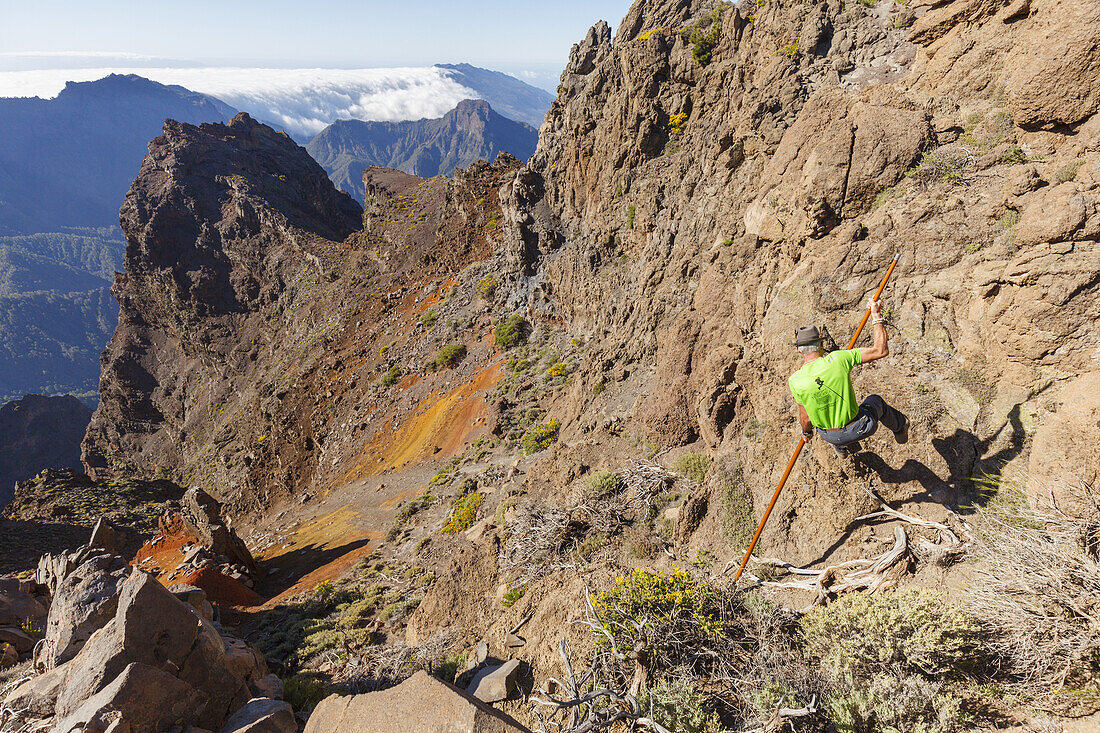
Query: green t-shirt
{"type": "Point", "coordinates": [824, 387]}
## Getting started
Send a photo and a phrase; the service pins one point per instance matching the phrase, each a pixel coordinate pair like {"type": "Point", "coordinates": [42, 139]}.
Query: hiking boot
{"type": "Point", "coordinates": [902, 434]}
{"type": "Point", "coordinates": [847, 450]}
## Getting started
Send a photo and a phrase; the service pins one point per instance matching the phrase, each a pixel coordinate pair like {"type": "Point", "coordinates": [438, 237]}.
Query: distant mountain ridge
{"type": "Point", "coordinates": [471, 131]}
{"type": "Point", "coordinates": [508, 95]}
{"type": "Point", "coordinates": [65, 166]}
{"type": "Point", "coordinates": [69, 161]}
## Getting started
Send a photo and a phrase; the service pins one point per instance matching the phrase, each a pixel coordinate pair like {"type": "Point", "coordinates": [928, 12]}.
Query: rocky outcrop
{"type": "Point", "coordinates": [58, 511]}
{"type": "Point", "coordinates": [420, 704]}
{"type": "Point", "coordinates": [220, 222]}
{"type": "Point", "coordinates": [729, 202]}
{"type": "Point", "coordinates": [247, 365]}
{"type": "Point", "coordinates": [36, 433]}
{"type": "Point", "coordinates": [126, 649]}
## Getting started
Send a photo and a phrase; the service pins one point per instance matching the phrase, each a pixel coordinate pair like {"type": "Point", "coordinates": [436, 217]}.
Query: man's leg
{"type": "Point", "coordinates": [888, 416]}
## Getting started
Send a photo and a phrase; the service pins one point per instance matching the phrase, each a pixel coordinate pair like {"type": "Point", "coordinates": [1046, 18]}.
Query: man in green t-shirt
{"type": "Point", "coordinates": [826, 400]}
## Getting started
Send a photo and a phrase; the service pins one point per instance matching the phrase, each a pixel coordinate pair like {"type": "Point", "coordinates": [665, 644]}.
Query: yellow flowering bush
{"type": "Point", "coordinates": [464, 513]}
{"type": "Point", "coordinates": [648, 599]}
{"type": "Point", "coordinates": [558, 369]}
{"type": "Point", "coordinates": [540, 436]}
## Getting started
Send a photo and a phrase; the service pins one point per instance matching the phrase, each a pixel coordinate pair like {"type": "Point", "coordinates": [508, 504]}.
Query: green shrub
{"type": "Point", "coordinates": [591, 544]}
{"type": "Point", "coordinates": [599, 387]}
{"type": "Point", "coordinates": [602, 483]}
{"type": "Point", "coordinates": [735, 512]}
{"type": "Point", "coordinates": [540, 436]}
{"type": "Point", "coordinates": [884, 196]}
{"type": "Point", "coordinates": [392, 377]}
{"type": "Point", "coordinates": [450, 355]}
{"type": "Point", "coordinates": [678, 707]}
{"type": "Point", "coordinates": [1013, 156]}
{"type": "Point", "coordinates": [447, 668]}
{"type": "Point", "coordinates": [704, 38]}
{"type": "Point", "coordinates": [889, 703]}
{"type": "Point", "coordinates": [1068, 172]}
{"type": "Point", "coordinates": [428, 318]}
{"type": "Point", "coordinates": [913, 631]}
{"type": "Point", "coordinates": [463, 514]}
{"type": "Point", "coordinates": [511, 332]}
{"type": "Point", "coordinates": [304, 691]}
{"type": "Point", "coordinates": [630, 212]}
{"type": "Point", "coordinates": [513, 595]}
{"type": "Point", "coordinates": [694, 465]}
{"type": "Point", "coordinates": [951, 165]}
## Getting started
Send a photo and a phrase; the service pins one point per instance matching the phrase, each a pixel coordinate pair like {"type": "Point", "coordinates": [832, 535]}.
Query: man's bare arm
{"type": "Point", "coordinates": [804, 421]}
{"type": "Point", "coordinates": [881, 348]}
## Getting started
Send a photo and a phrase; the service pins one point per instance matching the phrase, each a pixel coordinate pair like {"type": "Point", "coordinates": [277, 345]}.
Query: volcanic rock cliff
{"type": "Point", "coordinates": [687, 217]}
{"type": "Point", "coordinates": [249, 316]}
{"type": "Point", "coordinates": [222, 225]}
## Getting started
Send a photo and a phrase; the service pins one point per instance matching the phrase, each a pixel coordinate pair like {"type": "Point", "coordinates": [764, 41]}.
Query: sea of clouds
{"type": "Point", "coordinates": [300, 101]}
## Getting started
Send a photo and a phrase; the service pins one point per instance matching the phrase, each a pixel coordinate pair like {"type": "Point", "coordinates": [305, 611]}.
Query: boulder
{"type": "Point", "coordinates": [244, 660]}
{"type": "Point", "coordinates": [84, 601]}
{"type": "Point", "coordinates": [37, 696]}
{"type": "Point", "coordinates": [17, 606]}
{"type": "Point", "coordinates": [152, 627]}
{"type": "Point", "coordinates": [104, 536]}
{"type": "Point", "coordinates": [262, 715]}
{"type": "Point", "coordinates": [202, 515]}
{"type": "Point", "coordinates": [270, 685]}
{"type": "Point", "coordinates": [1064, 453]}
{"type": "Point", "coordinates": [494, 684]}
{"type": "Point", "coordinates": [195, 597]}
{"type": "Point", "coordinates": [1051, 74]}
{"type": "Point", "coordinates": [142, 699]}
{"type": "Point", "coordinates": [420, 704]}
{"type": "Point", "coordinates": [21, 640]}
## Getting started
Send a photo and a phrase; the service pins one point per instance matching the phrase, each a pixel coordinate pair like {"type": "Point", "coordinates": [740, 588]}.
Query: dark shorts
{"type": "Point", "coordinates": [872, 411]}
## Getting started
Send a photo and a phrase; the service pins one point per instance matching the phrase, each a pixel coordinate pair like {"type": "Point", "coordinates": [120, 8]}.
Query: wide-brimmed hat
{"type": "Point", "coordinates": [807, 336]}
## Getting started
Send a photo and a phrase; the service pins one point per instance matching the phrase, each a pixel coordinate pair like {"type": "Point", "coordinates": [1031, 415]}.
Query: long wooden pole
{"type": "Point", "coordinates": [802, 441]}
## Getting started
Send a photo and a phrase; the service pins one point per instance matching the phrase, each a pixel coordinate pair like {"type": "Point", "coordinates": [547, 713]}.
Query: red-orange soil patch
{"type": "Point", "coordinates": [313, 554]}
{"type": "Point", "coordinates": [221, 590]}
{"type": "Point", "coordinates": [162, 558]}
{"type": "Point", "coordinates": [443, 426]}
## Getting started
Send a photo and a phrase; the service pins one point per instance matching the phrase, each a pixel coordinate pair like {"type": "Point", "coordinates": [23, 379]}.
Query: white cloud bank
{"type": "Point", "coordinates": [300, 101]}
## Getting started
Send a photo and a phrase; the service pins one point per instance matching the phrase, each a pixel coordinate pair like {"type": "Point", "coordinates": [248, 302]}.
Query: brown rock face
{"type": "Point", "coordinates": [220, 222]}
{"type": "Point", "coordinates": [687, 218]}
{"type": "Point", "coordinates": [1052, 73]}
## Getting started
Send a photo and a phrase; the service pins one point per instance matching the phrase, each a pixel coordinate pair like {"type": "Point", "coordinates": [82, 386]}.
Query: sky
{"type": "Point", "coordinates": [508, 35]}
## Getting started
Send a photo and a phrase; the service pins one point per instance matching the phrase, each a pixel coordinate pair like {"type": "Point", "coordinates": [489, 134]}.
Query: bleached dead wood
{"type": "Point", "coordinates": [871, 575]}
{"type": "Point", "coordinates": [782, 716]}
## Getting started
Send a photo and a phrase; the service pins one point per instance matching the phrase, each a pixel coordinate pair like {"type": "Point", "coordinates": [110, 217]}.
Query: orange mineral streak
{"type": "Point", "coordinates": [322, 549]}
{"type": "Point", "coordinates": [442, 427]}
